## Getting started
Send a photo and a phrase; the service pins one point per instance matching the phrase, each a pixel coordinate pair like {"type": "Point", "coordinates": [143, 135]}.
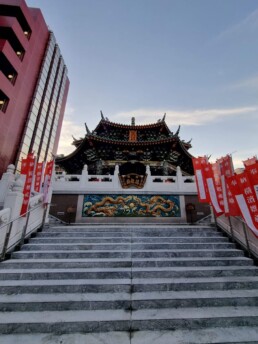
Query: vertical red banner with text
{"type": "Point", "coordinates": [227, 170]}
{"type": "Point", "coordinates": [38, 176]}
{"type": "Point", "coordinates": [218, 186]}
{"type": "Point", "coordinates": [47, 179]}
{"type": "Point", "coordinates": [250, 161]}
{"type": "Point", "coordinates": [210, 181]}
{"type": "Point", "coordinates": [241, 188]}
{"type": "Point", "coordinates": [252, 172]}
{"type": "Point", "coordinates": [203, 193]}
{"type": "Point", "coordinates": [27, 168]}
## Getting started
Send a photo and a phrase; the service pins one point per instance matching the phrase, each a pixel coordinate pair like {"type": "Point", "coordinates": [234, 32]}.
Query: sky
{"type": "Point", "coordinates": [195, 60]}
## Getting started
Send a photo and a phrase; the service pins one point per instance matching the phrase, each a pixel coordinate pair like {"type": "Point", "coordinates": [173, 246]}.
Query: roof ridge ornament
{"type": "Point", "coordinates": [178, 130]}
{"type": "Point", "coordinates": [102, 116]}
{"type": "Point", "coordinates": [164, 117]}
{"type": "Point", "coordinates": [87, 129]}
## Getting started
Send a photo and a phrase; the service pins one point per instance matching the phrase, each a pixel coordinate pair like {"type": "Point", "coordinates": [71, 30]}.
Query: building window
{"type": "Point", "coordinates": [3, 101]}
{"type": "Point", "coordinates": [7, 69]}
{"type": "Point", "coordinates": [27, 33]}
{"type": "Point", "coordinates": [12, 77]}
{"type": "Point", "coordinates": [20, 54]}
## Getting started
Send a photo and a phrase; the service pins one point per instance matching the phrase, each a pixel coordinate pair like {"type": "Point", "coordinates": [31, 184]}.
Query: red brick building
{"type": "Point", "coordinates": [33, 85]}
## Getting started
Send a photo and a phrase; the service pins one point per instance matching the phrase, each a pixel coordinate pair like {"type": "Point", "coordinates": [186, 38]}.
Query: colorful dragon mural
{"type": "Point", "coordinates": [131, 205]}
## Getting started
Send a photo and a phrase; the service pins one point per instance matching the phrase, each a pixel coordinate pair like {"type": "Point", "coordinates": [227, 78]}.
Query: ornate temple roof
{"type": "Point", "coordinates": [113, 142]}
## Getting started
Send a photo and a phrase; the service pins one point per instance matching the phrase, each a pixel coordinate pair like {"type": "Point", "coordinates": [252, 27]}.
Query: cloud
{"type": "Point", "coordinates": [69, 129]}
{"type": "Point", "coordinates": [184, 117]}
{"type": "Point", "coordinates": [69, 110]}
{"type": "Point", "coordinates": [250, 83]}
{"type": "Point", "coordinates": [194, 117]}
{"type": "Point", "coordinates": [248, 25]}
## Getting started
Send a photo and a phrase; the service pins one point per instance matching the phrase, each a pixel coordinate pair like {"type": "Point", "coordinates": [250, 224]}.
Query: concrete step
{"type": "Point", "coordinates": [192, 318]}
{"type": "Point", "coordinates": [126, 234]}
{"type": "Point", "coordinates": [136, 301]}
{"type": "Point", "coordinates": [130, 272]}
{"type": "Point", "coordinates": [65, 286]}
{"type": "Point", "coordinates": [208, 335]}
{"type": "Point", "coordinates": [125, 285]}
{"type": "Point", "coordinates": [127, 253]}
{"type": "Point", "coordinates": [193, 272]}
{"type": "Point", "coordinates": [64, 302]}
{"type": "Point", "coordinates": [156, 240]}
{"type": "Point", "coordinates": [217, 335]}
{"type": "Point", "coordinates": [192, 261]}
{"type": "Point", "coordinates": [179, 284]}
{"type": "Point", "coordinates": [132, 228]}
{"type": "Point", "coordinates": [125, 281]}
{"type": "Point", "coordinates": [60, 322]}
{"type": "Point", "coordinates": [195, 299]}
{"type": "Point", "coordinates": [124, 263]}
{"type": "Point", "coordinates": [125, 246]}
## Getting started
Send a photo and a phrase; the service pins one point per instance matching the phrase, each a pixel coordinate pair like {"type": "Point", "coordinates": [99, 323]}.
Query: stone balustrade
{"type": "Point", "coordinates": [85, 183]}
{"type": "Point", "coordinates": [12, 225]}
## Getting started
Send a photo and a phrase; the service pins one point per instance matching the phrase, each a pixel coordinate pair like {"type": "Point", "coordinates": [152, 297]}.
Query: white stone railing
{"type": "Point", "coordinates": [240, 232]}
{"type": "Point", "coordinates": [4, 220]}
{"type": "Point", "coordinates": [110, 183]}
{"type": "Point", "coordinates": [13, 227]}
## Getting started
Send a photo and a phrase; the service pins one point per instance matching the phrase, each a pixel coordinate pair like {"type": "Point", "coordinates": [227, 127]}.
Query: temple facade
{"type": "Point", "coordinates": [131, 147]}
{"type": "Point", "coordinates": [126, 171]}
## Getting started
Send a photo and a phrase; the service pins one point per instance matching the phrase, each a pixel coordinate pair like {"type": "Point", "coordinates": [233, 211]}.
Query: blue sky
{"type": "Point", "coordinates": [195, 60]}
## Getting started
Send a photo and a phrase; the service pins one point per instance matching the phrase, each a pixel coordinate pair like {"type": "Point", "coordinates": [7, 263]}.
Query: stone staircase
{"type": "Point", "coordinates": [128, 284]}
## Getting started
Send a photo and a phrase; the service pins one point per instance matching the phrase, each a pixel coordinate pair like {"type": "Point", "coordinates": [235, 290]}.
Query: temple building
{"type": "Point", "coordinates": [132, 148]}
{"type": "Point", "coordinates": [119, 172]}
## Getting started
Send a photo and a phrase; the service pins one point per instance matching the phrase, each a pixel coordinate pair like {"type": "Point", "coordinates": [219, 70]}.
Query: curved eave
{"type": "Point", "coordinates": [97, 139]}
{"type": "Point", "coordinates": [182, 145]}
{"type": "Point", "coordinates": [133, 127]}
{"type": "Point", "coordinates": [71, 155]}
{"type": "Point", "coordinates": [186, 145]}
{"type": "Point", "coordinates": [77, 143]}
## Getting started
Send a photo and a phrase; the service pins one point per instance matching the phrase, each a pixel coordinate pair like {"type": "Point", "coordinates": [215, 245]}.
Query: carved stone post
{"type": "Point", "coordinates": [84, 177]}
{"type": "Point", "coordinates": [14, 198]}
{"type": "Point", "coordinates": [5, 183]}
{"type": "Point", "coordinates": [179, 177]}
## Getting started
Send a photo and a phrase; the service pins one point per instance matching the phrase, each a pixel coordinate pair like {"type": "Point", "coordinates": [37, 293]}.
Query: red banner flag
{"type": "Point", "coordinates": [226, 166]}
{"type": "Point", "coordinates": [241, 188]}
{"type": "Point", "coordinates": [250, 161]}
{"type": "Point", "coordinates": [203, 193]}
{"type": "Point", "coordinates": [47, 179]}
{"type": "Point", "coordinates": [227, 170]}
{"type": "Point", "coordinates": [210, 181]}
{"type": "Point", "coordinates": [38, 176]}
{"type": "Point", "coordinates": [252, 172]}
{"type": "Point", "coordinates": [27, 168]}
{"type": "Point", "coordinates": [218, 186]}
